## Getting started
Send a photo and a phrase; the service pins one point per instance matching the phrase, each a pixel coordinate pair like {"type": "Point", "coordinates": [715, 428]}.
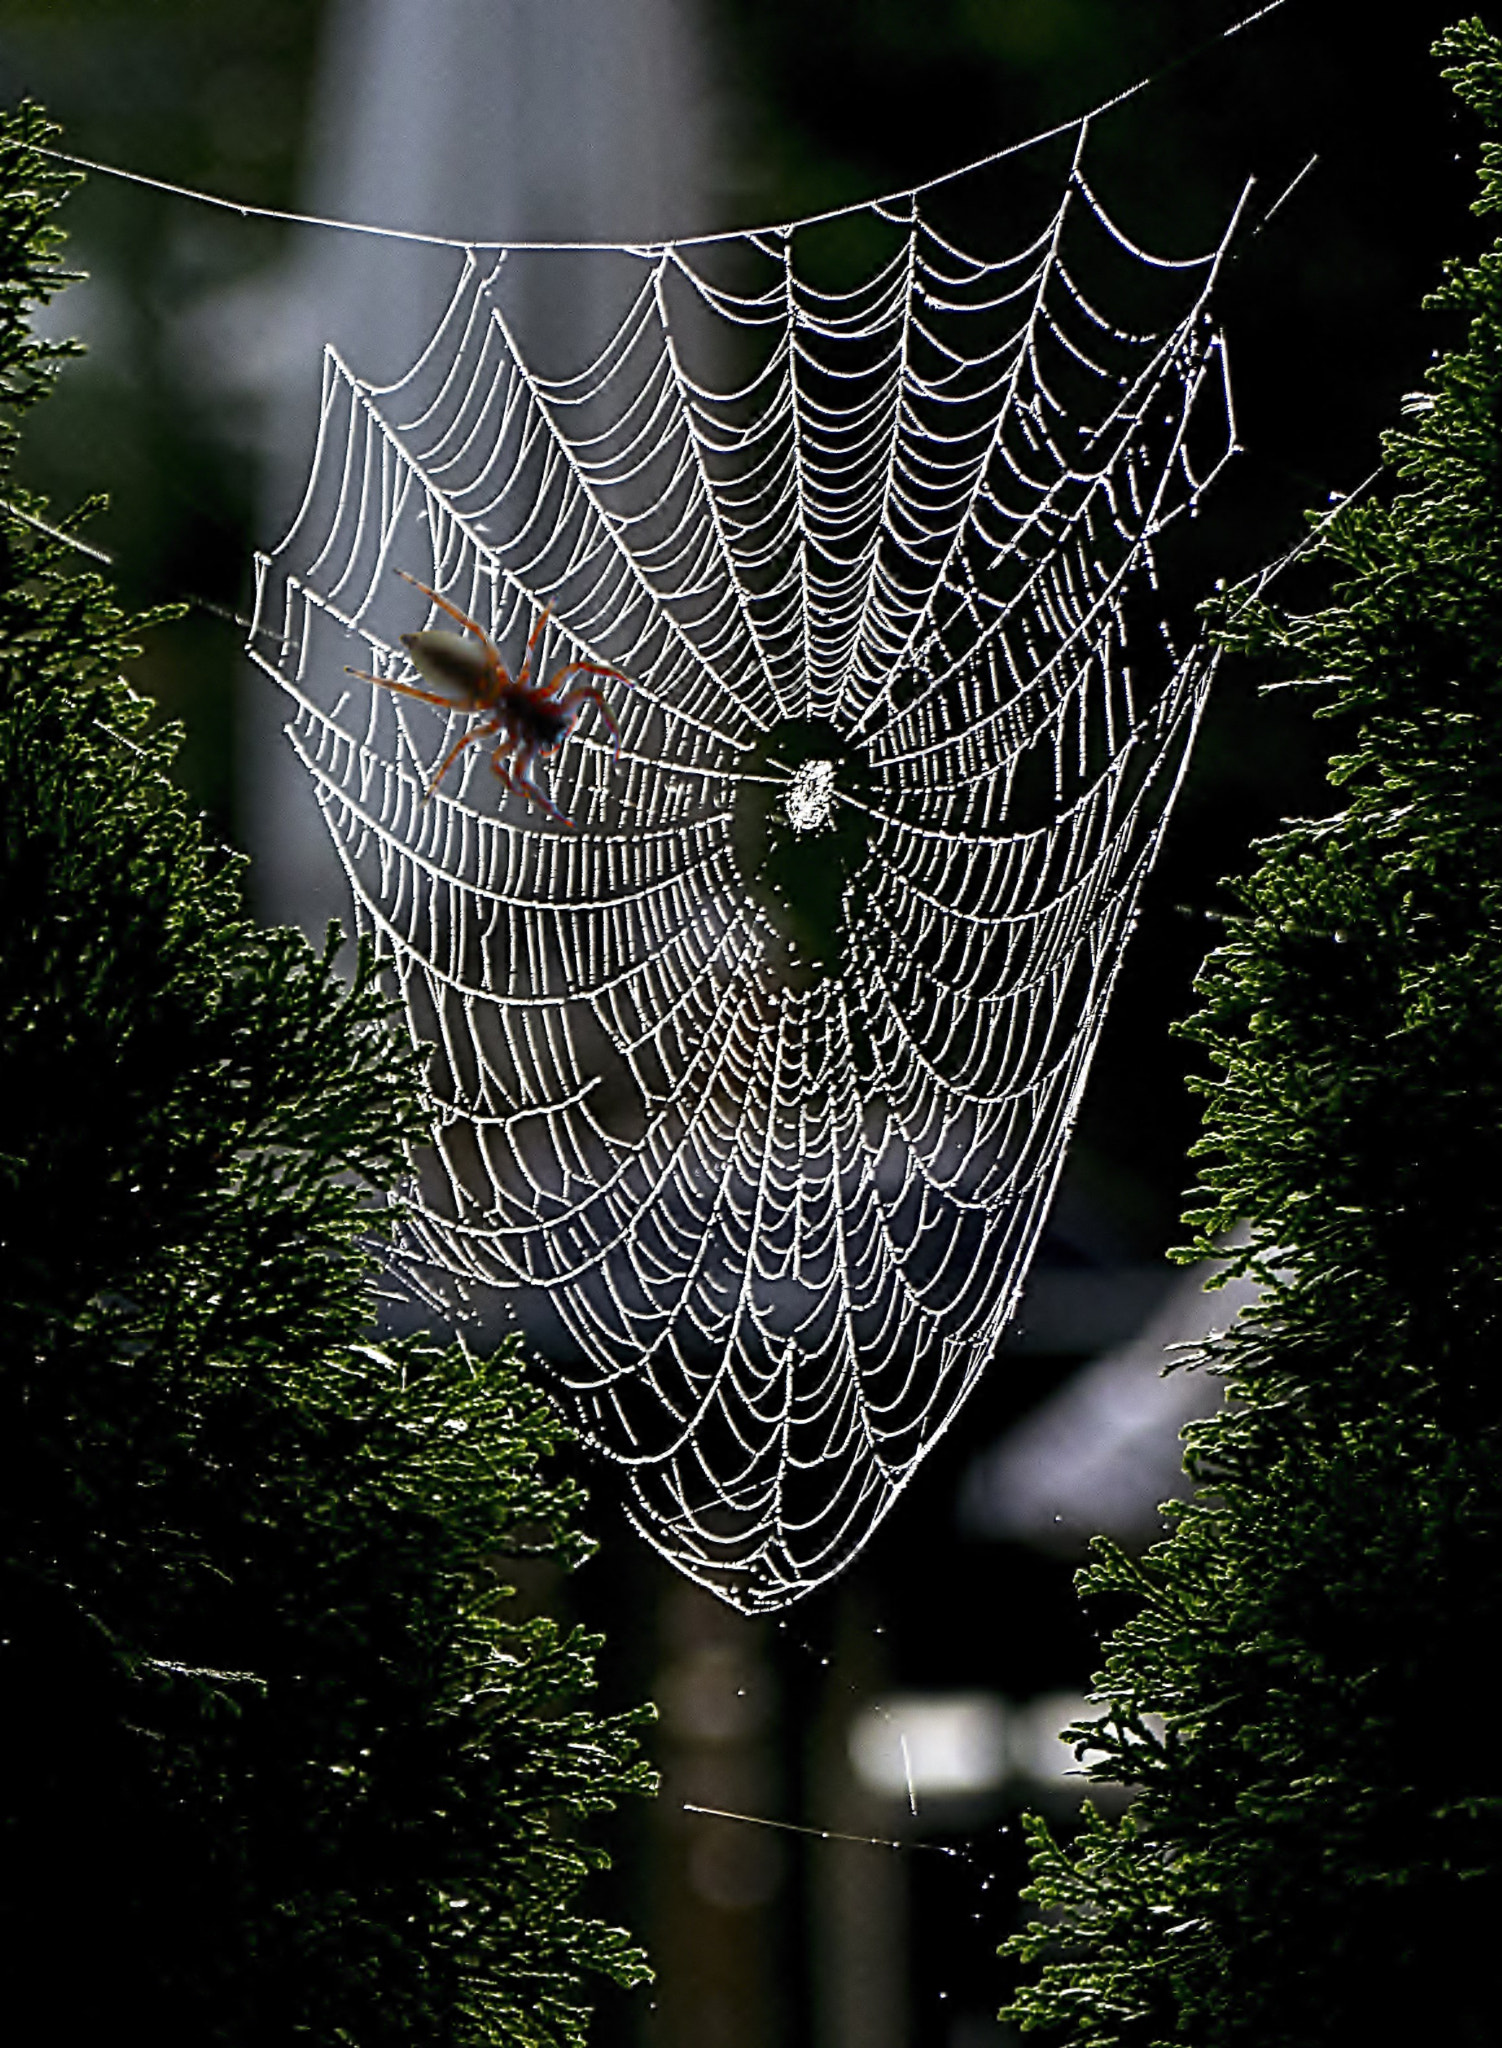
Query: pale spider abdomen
{"type": "Point", "coordinates": [450, 662]}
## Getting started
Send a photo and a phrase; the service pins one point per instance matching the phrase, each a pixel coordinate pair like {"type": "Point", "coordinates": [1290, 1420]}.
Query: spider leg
{"type": "Point", "coordinates": [481, 732]}
{"type": "Point", "coordinates": [499, 766]}
{"type": "Point", "coordinates": [522, 783]}
{"type": "Point", "coordinates": [584, 668]}
{"type": "Point", "coordinates": [463, 618]}
{"type": "Point", "coordinates": [405, 689]}
{"type": "Point", "coordinates": [586, 693]}
{"type": "Point", "coordinates": [503, 772]}
{"type": "Point", "coordinates": [542, 618]}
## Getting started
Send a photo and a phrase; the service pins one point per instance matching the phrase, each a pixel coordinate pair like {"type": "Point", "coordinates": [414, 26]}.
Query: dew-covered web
{"type": "Point", "coordinates": [752, 1085]}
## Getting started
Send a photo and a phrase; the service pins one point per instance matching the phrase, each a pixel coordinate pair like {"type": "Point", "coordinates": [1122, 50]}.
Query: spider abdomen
{"type": "Point", "coordinates": [450, 663]}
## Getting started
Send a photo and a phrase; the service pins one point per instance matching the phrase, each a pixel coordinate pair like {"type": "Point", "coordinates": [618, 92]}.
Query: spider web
{"type": "Point", "coordinates": [752, 1086]}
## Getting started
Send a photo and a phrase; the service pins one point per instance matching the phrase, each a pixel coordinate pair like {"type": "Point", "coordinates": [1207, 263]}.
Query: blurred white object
{"type": "Point", "coordinates": [1101, 1454]}
{"type": "Point", "coordinates": [931, 1744]}
{"type": "Point", "coordinates": [963, 1744]}
{"type": "Point", "coordinates": [1036, 1750]}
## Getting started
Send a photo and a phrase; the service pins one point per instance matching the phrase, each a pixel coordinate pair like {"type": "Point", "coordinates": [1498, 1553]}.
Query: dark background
{"type": "Point", "coordinates": [836, 100]}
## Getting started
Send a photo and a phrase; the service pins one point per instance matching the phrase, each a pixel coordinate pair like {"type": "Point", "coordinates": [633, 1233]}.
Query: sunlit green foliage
{"type": "Point", "coordinates": [276, 1764]}
{"type": "Point", "coordinates": [1315, 1856]}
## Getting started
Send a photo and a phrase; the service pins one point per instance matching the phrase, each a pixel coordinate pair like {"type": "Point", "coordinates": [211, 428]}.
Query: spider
{"type": "Point", "coordinates": [525, 719]}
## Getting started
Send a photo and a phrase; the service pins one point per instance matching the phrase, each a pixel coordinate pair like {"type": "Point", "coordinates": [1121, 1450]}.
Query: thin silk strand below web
{"type": "Point", "coordinates": [753, 1082]}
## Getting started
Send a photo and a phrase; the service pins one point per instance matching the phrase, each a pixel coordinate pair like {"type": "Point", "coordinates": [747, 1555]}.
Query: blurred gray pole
{"type": "Point", "coordinates": [492, 119]}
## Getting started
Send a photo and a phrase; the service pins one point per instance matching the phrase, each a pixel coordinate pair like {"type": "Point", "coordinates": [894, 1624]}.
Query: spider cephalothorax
{"type": "Point", "coordinates": [526, 720]}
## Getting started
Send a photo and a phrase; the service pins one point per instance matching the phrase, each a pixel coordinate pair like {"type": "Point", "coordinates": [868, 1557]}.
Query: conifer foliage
{"type": "Point", "coordinates": [275, 1765]}
{"type": "Point", "coordinates": [1315, 1856]}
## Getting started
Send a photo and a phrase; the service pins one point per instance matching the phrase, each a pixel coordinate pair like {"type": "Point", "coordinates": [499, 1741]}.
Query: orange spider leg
{"type": "Point", "coordinates": [517, 778]}
{"type": "Point", "coordinates": [406, 689]}
{"type": "Point", "coordinates": [463, 618]}
{"type": "Point", "coordinates": [542, 618]}
{"type": "Point", "coordinates": [481, 732]}
{"type": "Point", "coordinates": [585, 668]}
{"type": "Point", "coordinates": [586, 693]}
